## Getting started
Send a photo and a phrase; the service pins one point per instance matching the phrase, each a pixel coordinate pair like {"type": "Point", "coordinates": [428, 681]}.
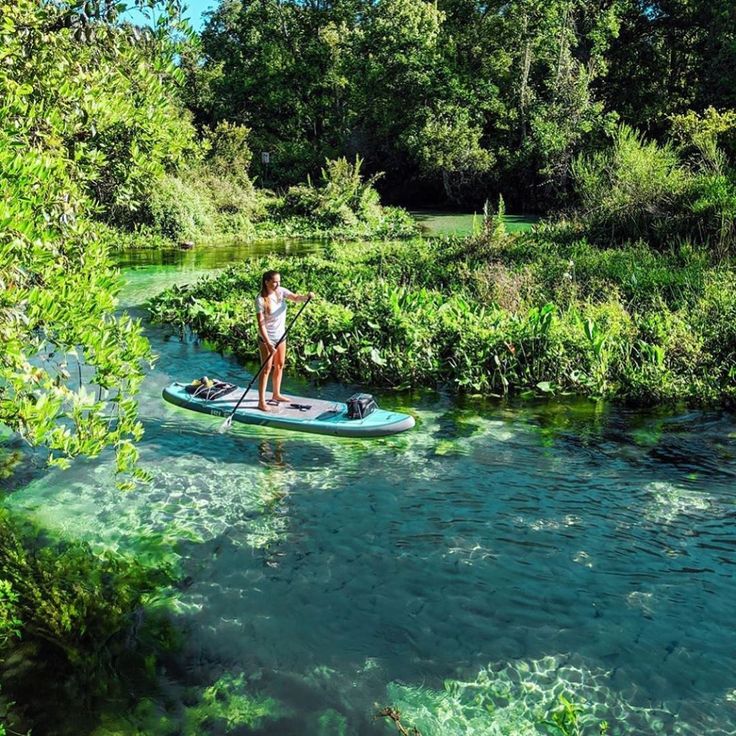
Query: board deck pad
{"type": "Point", "coordinates": [300, 413]}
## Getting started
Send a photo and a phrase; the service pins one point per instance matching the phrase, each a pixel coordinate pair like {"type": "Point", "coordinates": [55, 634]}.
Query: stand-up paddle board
{"type": "Point", "coordinates": [297, 413]}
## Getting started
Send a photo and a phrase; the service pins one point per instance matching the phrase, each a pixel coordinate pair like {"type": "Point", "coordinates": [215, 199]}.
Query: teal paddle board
{"type": "Point", "coordinates": [297, 413]}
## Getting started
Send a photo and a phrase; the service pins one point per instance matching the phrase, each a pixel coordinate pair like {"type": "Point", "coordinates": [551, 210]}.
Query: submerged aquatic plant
{"type": "Point", "coordinates": [225, 706]}
{"type": "Point", "coordinates": [565, 718]}
{"type": "Point", "coordinates": [227, 701]}
{"type": "Point", "coordinates": [524, 699]}
{"type": "Point", "coordinates": [395, 716]}
{"type": "Point", "coordinates": [67, 596]}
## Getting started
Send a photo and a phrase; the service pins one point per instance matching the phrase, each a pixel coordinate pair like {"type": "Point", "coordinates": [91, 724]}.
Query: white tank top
{"type": "Point", "coordinates": [275, 317]}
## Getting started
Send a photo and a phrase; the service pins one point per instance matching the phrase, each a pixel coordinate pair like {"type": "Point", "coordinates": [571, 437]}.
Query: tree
{"type": "Point", "coordinates": [671, 56]}
{"type": "Point", "coordinates": [559, 50]}
{"type": "Point", "coordinates": [71, 127]}
{"type": "Point", "coordinates": [276, 66]}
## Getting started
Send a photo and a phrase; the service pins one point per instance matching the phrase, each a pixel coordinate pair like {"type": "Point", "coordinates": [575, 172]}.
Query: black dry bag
{"type": "Point", "coordinates": [360, 406]}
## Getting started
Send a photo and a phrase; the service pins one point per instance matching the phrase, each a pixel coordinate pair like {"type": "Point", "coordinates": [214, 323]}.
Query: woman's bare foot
{"type": "Point", "coordinates": [279, 397]}
{"type": "Point", "coordinates": [263, 407]}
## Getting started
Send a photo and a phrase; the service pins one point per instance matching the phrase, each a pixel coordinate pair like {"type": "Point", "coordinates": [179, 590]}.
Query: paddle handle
{"type": "Point", "coordinates": [263, 365]}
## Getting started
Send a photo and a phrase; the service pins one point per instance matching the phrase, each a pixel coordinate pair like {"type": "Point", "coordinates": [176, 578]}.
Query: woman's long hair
{"type": "Point", "coordinates": [268, 276]}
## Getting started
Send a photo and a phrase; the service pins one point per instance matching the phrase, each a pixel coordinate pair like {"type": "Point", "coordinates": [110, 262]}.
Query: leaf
{"type": "Point", "coordinates": [590, 329]}
{"type": "Point", "coordinates": [376, 357]}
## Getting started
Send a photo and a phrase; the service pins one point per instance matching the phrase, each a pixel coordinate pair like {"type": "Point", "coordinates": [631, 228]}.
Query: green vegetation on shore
{"type": "Point", "coordinates": [211, 201]}
{"type": "Point", "coordinates": [538, 313]}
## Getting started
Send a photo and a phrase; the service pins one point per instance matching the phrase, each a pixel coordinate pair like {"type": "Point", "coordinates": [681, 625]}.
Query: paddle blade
{"type": "Point", "coordinates": [225, 426]}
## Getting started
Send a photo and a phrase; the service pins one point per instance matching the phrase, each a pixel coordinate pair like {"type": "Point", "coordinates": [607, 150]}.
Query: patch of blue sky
{"type": "Point", "coordinates": [192, 10]}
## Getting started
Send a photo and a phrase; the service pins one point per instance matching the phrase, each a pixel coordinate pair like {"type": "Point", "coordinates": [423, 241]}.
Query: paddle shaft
{"type": "Point", "coordinates": [265, 362]}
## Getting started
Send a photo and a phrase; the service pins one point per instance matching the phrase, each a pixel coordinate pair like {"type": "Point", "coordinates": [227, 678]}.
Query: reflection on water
{"type": "Point", "coordinates": [469, 571]}
{"type": "Point", "coordinates": [215, 255]}
{"type": "Point", "coordinates": [438, 223]}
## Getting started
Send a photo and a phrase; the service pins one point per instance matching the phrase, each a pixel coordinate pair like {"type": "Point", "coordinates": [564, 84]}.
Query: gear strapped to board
{"type": "Point", "coordinates": [360, 406]}
{"type": "Point", "coordinates": [208, 388]}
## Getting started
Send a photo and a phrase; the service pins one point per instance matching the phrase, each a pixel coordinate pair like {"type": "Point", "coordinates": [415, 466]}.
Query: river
{"type": "Point", "coordinates": [468, 572]}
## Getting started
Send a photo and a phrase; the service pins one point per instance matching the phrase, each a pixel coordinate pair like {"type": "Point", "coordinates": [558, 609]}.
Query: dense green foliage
{"type": "Point", "coordinates": [457, 94]}
{"type": "Point", "coordinates": [71, 126]}
{"type": "Point", "coordinates": [210, 201]}
{"type": "Point", "coordinates": [66, 596]}
{"type": "Point", "coordinates": [343, 204]}
{"type": "Point", "coordinates": [671, 56]}
{"type": "Point", "coordinates": [211, 196]}
{"type": "Point", "coordinates": [639, 189]}
{"type": "Point", "coordinates": [542, 313]}
{"type": "Point", "coordinates": [457, 100]}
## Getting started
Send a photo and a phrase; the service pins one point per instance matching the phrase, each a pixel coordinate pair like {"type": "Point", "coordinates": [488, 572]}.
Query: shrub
{"type": "Point", "coordinates": [343, 203]}
{"type": "Point", "coordinates": [178, 209]}
{"type": "Point", "coordinates": [230, 155]}
{"type": "Point", "coordinates": [712, 202]}
{"type": "Point", "coordinates": [302, 200]}
{"type": "Point", "coordinates": [201, 204]}
{"type": "Point", "coordinates": [631, 190]}
{"type": "Point", "coordinates": [710, 129]}
{"type": "Point", "coordinates": [714, 317]}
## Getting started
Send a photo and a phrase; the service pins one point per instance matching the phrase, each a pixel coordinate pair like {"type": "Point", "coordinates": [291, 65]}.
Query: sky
{"type": "Point", "coordinates": [194, 11]}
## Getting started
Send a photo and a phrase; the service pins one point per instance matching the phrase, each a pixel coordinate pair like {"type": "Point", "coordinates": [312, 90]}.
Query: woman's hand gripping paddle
{"type": "Point", "coordinates": [225, 426]}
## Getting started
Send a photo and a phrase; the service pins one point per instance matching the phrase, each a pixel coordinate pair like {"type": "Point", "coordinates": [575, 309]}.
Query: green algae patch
{"type": "Point", "coordinates": [330, 723]}
{"type": "Point", "coordinates": [228, 702]}
{"type": "Point", "coordinates": [220, 708]}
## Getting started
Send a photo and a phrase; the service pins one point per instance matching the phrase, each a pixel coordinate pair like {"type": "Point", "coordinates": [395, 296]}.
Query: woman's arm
{"type": "Point", "coordinates": [262, 330]}
{"type": "Point", "coordinates": [299, 297]}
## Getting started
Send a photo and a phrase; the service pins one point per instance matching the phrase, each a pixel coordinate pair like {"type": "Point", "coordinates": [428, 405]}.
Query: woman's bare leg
{"type": "Point", "coordinates": [263, 378]}
{"type": "Point", "coordinates": [278, 371]}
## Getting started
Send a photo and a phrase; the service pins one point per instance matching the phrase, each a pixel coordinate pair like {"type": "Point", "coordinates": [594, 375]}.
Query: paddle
{"type": "Point", "coordinates": [229, 421]}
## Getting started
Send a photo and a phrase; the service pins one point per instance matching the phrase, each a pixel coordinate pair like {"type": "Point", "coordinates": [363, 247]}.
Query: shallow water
{"type": "Point", "coordinates": [469, 571]}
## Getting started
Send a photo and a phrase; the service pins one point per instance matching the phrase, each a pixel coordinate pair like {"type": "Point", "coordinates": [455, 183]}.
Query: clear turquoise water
{"type": "Point", "coordinates": [467, 572]}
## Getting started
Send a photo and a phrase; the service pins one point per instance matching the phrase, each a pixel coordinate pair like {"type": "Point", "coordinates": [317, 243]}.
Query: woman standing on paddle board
{"type": "Point", "coordinates": [271, 313]}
